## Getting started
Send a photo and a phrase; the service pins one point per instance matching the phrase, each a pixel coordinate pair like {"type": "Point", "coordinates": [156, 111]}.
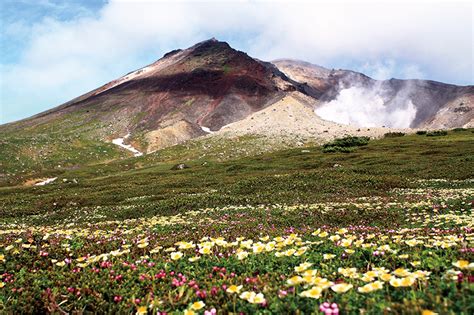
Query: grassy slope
{"type": "Point", "coordinates": [71, 267]}
{"type": "Point", "coordinates": [50, 148]}
{"type": "Point", "coordinates": [145, 186]}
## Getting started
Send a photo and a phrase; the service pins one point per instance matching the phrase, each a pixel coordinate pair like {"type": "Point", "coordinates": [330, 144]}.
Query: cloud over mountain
{"type": "Point", "coordinates": [64, 58]}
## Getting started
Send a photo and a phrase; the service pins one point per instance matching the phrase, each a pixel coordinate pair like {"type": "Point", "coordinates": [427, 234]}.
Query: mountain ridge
{"type": "Point", "coordinates": [181, 66]}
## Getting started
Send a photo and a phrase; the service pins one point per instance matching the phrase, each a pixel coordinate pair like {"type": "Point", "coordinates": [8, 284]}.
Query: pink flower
{"type": "Point", "coordinates": [201, 294]}
{"type": "Point", "coordinates": [211, 312]}
{"type": "Point", "coordinates": [329, 309]}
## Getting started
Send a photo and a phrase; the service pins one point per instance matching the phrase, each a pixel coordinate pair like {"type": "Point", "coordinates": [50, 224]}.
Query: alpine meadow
{"type": "Point", "coordinates": [212, 181]}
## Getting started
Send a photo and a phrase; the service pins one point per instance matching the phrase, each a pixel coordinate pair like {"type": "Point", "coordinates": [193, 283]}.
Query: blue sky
{"type": "Point", "coordinates": [53, 51]}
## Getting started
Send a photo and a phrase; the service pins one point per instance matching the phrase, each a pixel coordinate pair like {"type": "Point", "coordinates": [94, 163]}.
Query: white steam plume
{"type": "Point", "coordinates": [365, 107]}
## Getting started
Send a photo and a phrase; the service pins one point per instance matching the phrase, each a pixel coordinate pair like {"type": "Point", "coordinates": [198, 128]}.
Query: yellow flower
{"type": "Point", "coordinates": [142, 245]}
{"type": "Point", "coordinates": [142, 310]}
{"type": "Point", "coordinates": [371, 274]}
{"type": "Point", "coordinates": [348, 272]}
{"type": "Point", "coordinates": [2, 284]}
{"type": "Point", "coordinates": [341, 287]}
{"type": "Point", "coordinates": [334, 238]}
{"type": "Point", "coordinates": [308, 279]}
{"type": "Point", "coordinates": [301, 251]}
{"type": "Point", "coordinates": [346, 242]}
{"type": "Point", "coordinates": [314, 293]}
{"type": "Point", "coordinates": [2, 258]}
{"type": "Point", "coordinates": [311, 272]}
{"type": "Point", "coordinates": [323, 234]}
{"type": "Point", "coordinates": [206, 250]}
{"type": "Point", "coordinates": [463, 264]}
{"type": "Point", "coordinates": [415, 263]}
{"type": "Point", "coordinates": [9, 247]}
{"type": "Point", "coordinates": [252, 297]}
{"type": "Point", "coordinates": [197, 305]}
{"type": "Point", "coordinates": [189, 312]}
{"type": "Point", "coordinates": [411, 243]}
{"type": "Point", "coordinates": [342, 231]}
{"type": "Point", "coordinates": [404, 256]}
{"type": "Point", "coordinates": [270, 246]}
{"type": "Point", "coordinates": [370, 287]}
{"type": "Point", "coordinates": [328, 256]}
{"type": "Point", "coordinates": [303, 266]}
{"type": "Point", "coordinates": [323, 283]}
{"type": "Point", "coordinates": [294, 280]}
{"type": "Point", "coordinates": [60, 264]}
{"type": "Point", "coordinates": [385, 277]}
{"type": "Point", "coordinates": [258, 248]}
{"type": "Point", "coordinates": [401, 272]}
{"type": "Point", "coordinates": [367, 278]}
{"type": "Point", "coordinates": [246, 244]}
{"type": "Point", "coordinates": [234, 289]}
{"type": "Point", "coordinates": [428, 312]}
{"type": "Point", "coordinates": [421, 274]}
{"type": "Point", "coordinates": [176, 255]}
{"type": "Point", "coordinates": [185, 245]}
{"type": "Point", "coordinates": [193, 259]}
{"type": "Point", "coordinates": [246, 295]}
{"type": "Point", "coordinates": [403, 282]}
{"type": "Point", "coordinates": [242, 255]}
{"type": "Point", "coordinates": [257, 299]}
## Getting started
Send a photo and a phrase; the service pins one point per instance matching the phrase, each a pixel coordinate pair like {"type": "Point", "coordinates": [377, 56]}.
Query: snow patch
{"type": "Point", "coordinates": [47, 181]}
{"type": "Point", "coordinates": [206, 129]}
{"type": "Point", "coordinates": [119, 142]}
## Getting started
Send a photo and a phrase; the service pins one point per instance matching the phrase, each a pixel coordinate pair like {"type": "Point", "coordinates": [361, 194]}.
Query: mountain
{"type": "Point", "coordinates": [213, 90]}
{"type": "Point", "coordinates": [437, 105]}
{"type": "Point", "coordinates": [205, 87]}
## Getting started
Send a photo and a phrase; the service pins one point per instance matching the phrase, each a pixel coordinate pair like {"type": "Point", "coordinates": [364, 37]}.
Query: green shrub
{"type": "Point", "coordinates": [332, 149]}
{"type": "Point", "coordinates": [393, 134]}
{"type": "Point", "coordinates": [345, 145]}
{"type": "Point", "coordinates": [437, 133]}
{"type": "Point", "coordinates": [348, 141]}
{"type": "Point", "coordinates": [459, 129]}
{"type": "Point", "coordinates": [421, 132]}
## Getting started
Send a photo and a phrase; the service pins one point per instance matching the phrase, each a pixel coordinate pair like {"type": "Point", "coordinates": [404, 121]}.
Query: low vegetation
{"type": "Point", "coordinates": [345, 145]}
{"type": "Point", "coordinates": [394, 134]}
{"type": "Point", "coordinates": [387, 228]}
{"type": "Point", "coordinates": [437, 133]}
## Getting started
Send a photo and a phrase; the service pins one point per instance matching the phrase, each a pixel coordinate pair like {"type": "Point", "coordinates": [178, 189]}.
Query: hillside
{"type": "Point", "coordinates": [386, 227]}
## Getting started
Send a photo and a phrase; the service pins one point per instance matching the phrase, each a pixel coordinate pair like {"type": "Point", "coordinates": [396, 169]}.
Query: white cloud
{"type": "Point", "coordinates": [64, 59]}
{"type": "Point", "coordinates": [387, 69]}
